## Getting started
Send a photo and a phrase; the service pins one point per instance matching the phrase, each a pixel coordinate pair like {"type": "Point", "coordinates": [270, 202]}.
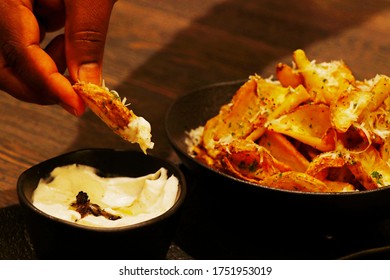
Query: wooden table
{"type": "Point", "coordinates": [159, 50]}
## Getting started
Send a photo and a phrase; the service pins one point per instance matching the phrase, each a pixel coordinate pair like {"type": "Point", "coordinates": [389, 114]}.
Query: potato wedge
{"type": "Point", "coordinates": [277, 101]}
{"type": "Point", "coordinates": [283, 150]}
{"type": "Point", "coordinates": [108, 106]}
{"type": "Point", "coordinates": [250, 161]}
{"type": "Point", "coordinates": [245, 117]}
{"type": "Point", "coordinates": [324, 81]}
{"type": "Point", "coordinates": [310, 124]}
{"type": "Point", "coordinates": [370, 169]}
{"type": "Point", "coordinates": [385, 151]}
{"type": "Point", "coordinates": [319, 166]}
{"type": "Point", "coordinates": [287, 76]}
{"type": "Point", "coordinates": [336, 186]}
{"type": "Point", "coordinates": [295, 181]}
{"type": "Point", "coordinates": [235, 120]}
{"type": "Point", "coordinates": [357, 102]}
{"type": "Point", "coordinates": [315, 128]}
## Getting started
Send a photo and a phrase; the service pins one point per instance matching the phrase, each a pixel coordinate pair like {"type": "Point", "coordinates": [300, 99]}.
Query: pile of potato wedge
{"type": "Point", "coordinates": [312, 128]}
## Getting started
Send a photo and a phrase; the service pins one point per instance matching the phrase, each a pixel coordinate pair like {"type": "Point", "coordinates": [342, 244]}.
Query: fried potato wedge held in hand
{"type": "Point", "coordinates": [108, 106]}
{"type": "Point", "coordinates": [310, 124]}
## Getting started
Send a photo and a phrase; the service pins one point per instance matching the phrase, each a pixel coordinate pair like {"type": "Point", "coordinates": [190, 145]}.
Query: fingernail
{"type": "Point", "coordinates": [90, 73]}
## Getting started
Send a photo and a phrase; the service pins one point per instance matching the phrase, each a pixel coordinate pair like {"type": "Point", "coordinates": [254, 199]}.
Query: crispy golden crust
{"type": "Point", "coordinates": [105, 104]}
{"type": "Point", "coordinates": [108, 106]}
{"type": "Point", "coordinates": [316, 128]}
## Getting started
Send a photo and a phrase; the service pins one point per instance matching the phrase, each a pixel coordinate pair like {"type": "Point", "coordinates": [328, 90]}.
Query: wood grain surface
{"type": "Point", "coordinates": [157, 51]}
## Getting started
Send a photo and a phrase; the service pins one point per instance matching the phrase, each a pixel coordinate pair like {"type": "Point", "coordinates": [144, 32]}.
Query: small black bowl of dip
{"type": "Point", "coordinates": [55, 238]}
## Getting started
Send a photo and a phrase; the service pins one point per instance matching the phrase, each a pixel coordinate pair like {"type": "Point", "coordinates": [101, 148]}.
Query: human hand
{"type": "Point", "coordinates": [33, 74]}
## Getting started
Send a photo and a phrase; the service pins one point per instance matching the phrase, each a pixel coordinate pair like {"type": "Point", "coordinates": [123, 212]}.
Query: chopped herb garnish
{"type": "Point", "coordinates": [378, 177]}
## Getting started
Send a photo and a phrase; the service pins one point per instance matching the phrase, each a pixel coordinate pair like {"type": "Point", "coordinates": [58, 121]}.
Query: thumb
{"type": "Point", "coordinates": [86, 28]}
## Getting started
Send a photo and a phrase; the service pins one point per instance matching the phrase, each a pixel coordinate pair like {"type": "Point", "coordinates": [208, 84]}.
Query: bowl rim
{"type": "Point", "coordinates": [366, 253]}
{"type": "Point", "coordinates": [178, 150]}
{"type": "Point", "coordinates": [182, 193]}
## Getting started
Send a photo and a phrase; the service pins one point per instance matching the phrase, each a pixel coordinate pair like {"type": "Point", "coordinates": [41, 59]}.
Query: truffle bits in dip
{"type": "Point", "coordinates": [78, 194]}
{"type": "Point", "coordinates": [102, 204]}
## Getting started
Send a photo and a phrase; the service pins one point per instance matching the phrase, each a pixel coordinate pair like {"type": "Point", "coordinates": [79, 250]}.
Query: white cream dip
{"type": "Point", "coordinates": [133, 199]}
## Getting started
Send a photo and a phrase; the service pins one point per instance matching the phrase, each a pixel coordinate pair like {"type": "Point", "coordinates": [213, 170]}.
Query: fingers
{"type": "Point", "coordinates": [85, 35]}
{"type": "Point", "coordinates": [50, 14]}
{"type": "Point", "coordinates": [37, 80]}
{"type": "Point", "coordinates": [32, 74]}
{"type": "Point", "coordinates": [27, 72]}
{"type": "Point", "coordinates": [56, 50]}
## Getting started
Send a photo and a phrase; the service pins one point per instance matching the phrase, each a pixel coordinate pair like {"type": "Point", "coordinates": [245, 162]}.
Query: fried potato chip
{"type": "Point", "coordinates": [324, 81]}
{"type": "Point", "coordinates": [287, 76]}
{"type": "Point", "coordinates": [370, 169]}
{"type": "Point", "coordinates": [336, 186]}
{"type": "Point", "coordinates": [256, 102]}
{"type": "Point", "coordinates": [385, 151]}
{"type": "Point", "coordinates": [310, 124]}
{"type": "Point", "coordinates": [295, 181]}
{"type": "Point", "coordinates": [348, 108]}
{"type": "Point", "coordinates": [356, 138]}
{"type": "Point", "coordinates": [358, 101]}
{"type": "Point", "coordinates": [108, 106]}
{"type": "Point", "coordinates": [320, 165]}
{"type": "Point", "coordinates": [247, 160]}
{"type": "Point", "coordinates": [380, 91]}
{"type": "Point", "coordinates": [277, 102]}
{"type": "Point", "coordinates": [315, 129]}
{"type": "Point", "coordinates": [235, 119]}
{"type": "Point", "coordinates": [283, 150]}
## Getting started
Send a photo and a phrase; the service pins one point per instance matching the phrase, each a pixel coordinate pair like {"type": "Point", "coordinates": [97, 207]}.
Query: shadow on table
{"type": "Point", "coordinates": [234, 39]}
{"type": "Point", "coordinates": [253, 35]}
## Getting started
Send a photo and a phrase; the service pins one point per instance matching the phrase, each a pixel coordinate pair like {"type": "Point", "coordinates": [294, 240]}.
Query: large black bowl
{"type": "Point", "coordinates": [235, 208]}
{"type": "Point", "coordinates": [54, 238]}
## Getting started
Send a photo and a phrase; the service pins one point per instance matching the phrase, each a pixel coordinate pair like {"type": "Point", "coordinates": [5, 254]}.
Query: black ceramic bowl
{"type": "Point", "coordinates": [54, 238]}
{"type": "Point", "coordinates": [285, 216]}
